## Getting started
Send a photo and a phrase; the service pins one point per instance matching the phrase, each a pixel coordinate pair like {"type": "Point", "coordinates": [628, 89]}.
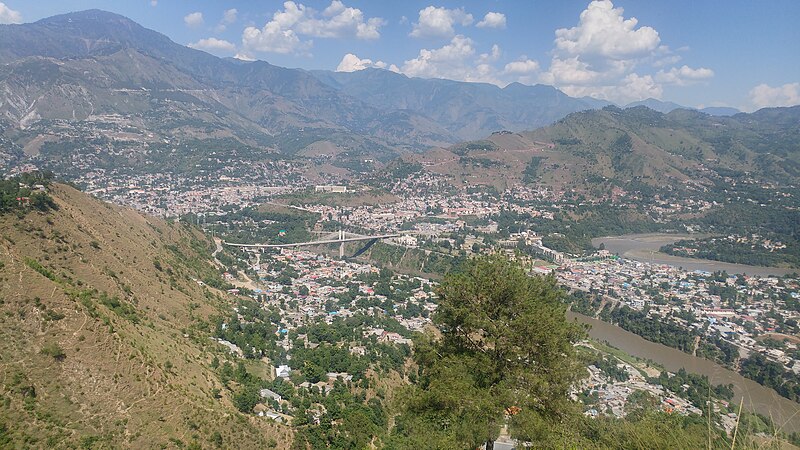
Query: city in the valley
{"type": "Point", "coordinates": [342, 224]}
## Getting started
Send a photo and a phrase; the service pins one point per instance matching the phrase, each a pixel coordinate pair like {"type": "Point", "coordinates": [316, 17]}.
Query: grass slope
{"type": "Point", "coordinates": [104, 336]}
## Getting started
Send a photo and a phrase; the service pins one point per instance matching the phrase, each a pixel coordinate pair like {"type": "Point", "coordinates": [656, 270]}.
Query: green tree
{"type": "Point", "coordinates": [42, 201]}
{"type": "Point", "coordinates": [247, 398]}
{"type": "Point", "coordinates": [505, 342]}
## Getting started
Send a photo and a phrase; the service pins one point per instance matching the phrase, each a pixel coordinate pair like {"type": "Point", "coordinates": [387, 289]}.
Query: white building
{"type": "Point", "coordinates": [283, 371]}
{"type": "Point", "coordinates": [330, 188]}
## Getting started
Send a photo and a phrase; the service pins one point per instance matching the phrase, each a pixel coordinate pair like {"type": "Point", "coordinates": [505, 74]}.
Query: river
{"type": "Point", "coordinates": [644, 248]}
{"type": "Point", "coordinates": [758, 398]}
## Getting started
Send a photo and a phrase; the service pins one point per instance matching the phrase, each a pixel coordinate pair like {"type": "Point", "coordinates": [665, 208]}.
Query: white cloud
{"type": "Point", "coordinates": [603, 31]}
{"type": "Point", "coordinates": [441, 62]}
{"type": "Point", "coordinates": [684, 75]}
{"type": "Point", "coordinates": [667, 60]}
{"type": "Point", "coordinates": [570, 71]}
{"type": "Point", "coordinates": [492, 20]}
{"type": "Point", "coordinates": [454, 61]}
{"type": "Point", "coordinates": [282, 33]}
{"type": "Point", "coordinates": [153, 2]}
{"type": "Point", "coordinates": [440, 22]}
{"type": "Point", "coordinates": [273, 39]}
{"type": "Point", "coordinates": [522, 66]}
{"type": "Point", "coordinates": [244, 56]}
{"type": "Point", "coordinates": [194, 19]}
{"type": "Point", "coordinates": [228, 17]}
{"type": "Point", "coordinates": [609, 56]}
{"type": "Point", "coordinates": [631, 88]}
{"type": "Point", "coordinates": [8, 15]}
{"type": "Point", "coordinates": [763, 95]}
{"type": "Point", "coordinates": [606, 55]}
{"type": "Point", "coordinates": [490, 57]}
{"type": "Point", "coordinates": [214, 45]}
{"type": "Point", "coordinates": [352, 63]}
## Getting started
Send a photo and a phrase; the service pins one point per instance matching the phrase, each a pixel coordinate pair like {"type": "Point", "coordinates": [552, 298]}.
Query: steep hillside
{"type": "Point", "coordinates": [104, 333]}
{"type": "Point", "coordinates": [469, 110]}
{"type": "Point", "coordinates": [631, 148]}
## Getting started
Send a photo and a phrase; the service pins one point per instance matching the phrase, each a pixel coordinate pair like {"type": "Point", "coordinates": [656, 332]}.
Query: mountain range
{"type": "Point", "coordinates": [84, 81]}
{"type": "Point", "coordinates": [594, 151]}
{"type": "Point", "coordinates": [468, 110]}
{"type": "Point", "coordinates": [75, 77]}
{"type": "Point", "coordinates": [96, 67]}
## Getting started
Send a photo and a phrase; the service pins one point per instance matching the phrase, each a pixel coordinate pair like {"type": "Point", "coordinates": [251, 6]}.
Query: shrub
{"type": "Point", "coordinates": [54, 350]}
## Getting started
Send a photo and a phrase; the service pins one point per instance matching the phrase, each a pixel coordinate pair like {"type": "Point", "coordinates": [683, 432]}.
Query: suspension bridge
{"type": "Point", "coordinates": [341, 238]}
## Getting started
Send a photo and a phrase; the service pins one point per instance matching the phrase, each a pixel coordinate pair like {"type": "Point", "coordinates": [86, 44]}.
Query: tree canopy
{"type": "Point", "coordinates": [505, 350]}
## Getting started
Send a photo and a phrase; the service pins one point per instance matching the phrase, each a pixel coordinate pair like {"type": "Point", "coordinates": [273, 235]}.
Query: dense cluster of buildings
{"type": "Point", "coordinates": [741, 310]}
{"type": "Point", "coordinates": [755, 314]}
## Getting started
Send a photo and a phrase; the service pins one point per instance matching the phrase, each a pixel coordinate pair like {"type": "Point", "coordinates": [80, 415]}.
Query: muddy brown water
{"type": "Point", "coordinates": [757, 398]}
{"type": "Point", "coordinates": [644, 248]}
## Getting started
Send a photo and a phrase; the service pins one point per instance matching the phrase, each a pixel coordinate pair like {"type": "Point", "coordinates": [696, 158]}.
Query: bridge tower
{"type": "Point", "coordinates": [341, 244]}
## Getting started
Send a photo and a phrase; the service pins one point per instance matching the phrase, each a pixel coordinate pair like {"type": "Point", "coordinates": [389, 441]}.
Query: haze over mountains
{"type": "Point", "coordinates": [665, 107]}
{"type": "Point", "coordinates": [104, 71]}
{"type": "Point", "coordinates": [92, 83]}
{"type": "Point", "coordinates": [468, 110]}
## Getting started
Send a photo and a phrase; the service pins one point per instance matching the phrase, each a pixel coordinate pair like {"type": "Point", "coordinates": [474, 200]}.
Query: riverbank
{"type": "Point", "coordinates": [757, 398]}
{"type": "Point", "coordinates": [645, 248]}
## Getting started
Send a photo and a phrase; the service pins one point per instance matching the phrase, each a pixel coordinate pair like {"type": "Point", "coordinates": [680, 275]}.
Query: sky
{"type": "Point", "coordinates": [739, 53]}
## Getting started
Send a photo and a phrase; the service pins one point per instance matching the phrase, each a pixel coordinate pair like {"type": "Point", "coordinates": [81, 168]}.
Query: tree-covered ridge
{"type": "Point", "coordinates": [27, 190]}
{"type": "Point", "coordinates": [739, 251]}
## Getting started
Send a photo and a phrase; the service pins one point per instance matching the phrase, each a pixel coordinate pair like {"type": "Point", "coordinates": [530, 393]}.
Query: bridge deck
{"type": "Point", "coordinates": [305, 244]}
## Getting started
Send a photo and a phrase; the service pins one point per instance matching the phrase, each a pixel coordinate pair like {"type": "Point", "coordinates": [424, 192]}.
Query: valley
{"type": "Point", "coordinates": [202, 252]}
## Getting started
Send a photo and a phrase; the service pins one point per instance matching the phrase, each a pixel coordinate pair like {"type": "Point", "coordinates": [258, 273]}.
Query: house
{"type": "Point", "coordinates": [283, 371]}
{"type": "Point", "coordinates": [407, 240]}
{"type": "Point", "coordinates": [344, 376]}
{"type": "Point", "coordinates": [266, 393]}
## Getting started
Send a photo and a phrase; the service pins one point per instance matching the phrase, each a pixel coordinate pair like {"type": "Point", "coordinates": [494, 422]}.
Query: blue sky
{"type": "Point", "coordinates": [738, 53]}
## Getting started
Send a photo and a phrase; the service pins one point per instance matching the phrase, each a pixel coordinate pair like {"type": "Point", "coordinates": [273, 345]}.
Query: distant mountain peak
{"type": "Point", "coordinates": [720, 110]}
{"type": "Point", "coordinates": [78, 34]}
{"type": "Point", "coordinates": [657, 105]}
{"type": "Point", "coordinates": [94, 15]}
